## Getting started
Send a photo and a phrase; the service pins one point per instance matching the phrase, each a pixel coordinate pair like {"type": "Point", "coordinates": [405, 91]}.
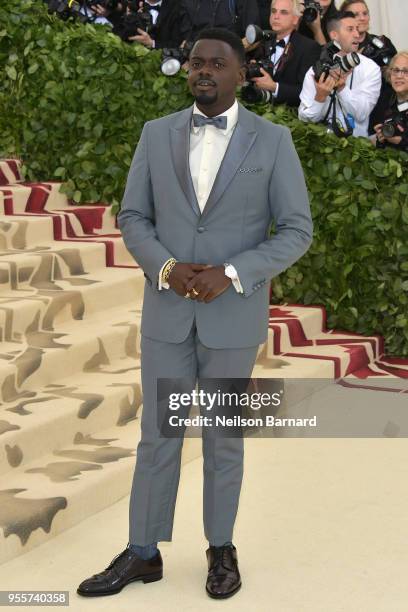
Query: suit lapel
{"type": "Point", "coordinates": [180, 148]}
{"type": "Point", "coordinates": [241, 141]}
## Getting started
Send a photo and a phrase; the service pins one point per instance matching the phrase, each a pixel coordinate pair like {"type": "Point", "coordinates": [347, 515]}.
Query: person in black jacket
{"type": "Point", "coordinates": [166, 19]}
{"type": "Point", "coordinates": [382, 59]}
{"type": "Point", "coordinates": [292, 56]}
{"type": "Point", "coordinates": [394, 103]}
{"type": "Point", "coordinates": [362, 13]}
{"type": "Point", "coordinates": [234, 15]}
{"type": "Point", "coordinates": [317, 29]}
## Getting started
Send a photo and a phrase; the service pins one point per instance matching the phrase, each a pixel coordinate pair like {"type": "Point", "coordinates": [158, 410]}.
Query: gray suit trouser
{"type": "Point", "coordinates": [157, 471]}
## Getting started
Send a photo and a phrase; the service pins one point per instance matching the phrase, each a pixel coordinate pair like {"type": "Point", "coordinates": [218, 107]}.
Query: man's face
{"type": "Point", "coordinates": [282, 19]}
{"type": "Point", "coordinates": [347, 35]}
{"type": "Point", "coordinates": [214, 74]}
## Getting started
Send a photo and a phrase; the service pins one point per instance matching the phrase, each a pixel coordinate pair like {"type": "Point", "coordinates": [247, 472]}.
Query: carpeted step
{"type": "Point", "coordinates": [41, 267]}
{"type": "Point", "coordinates": [10, 171]}
{"type": "Point", "coordinates": [66, 300]}
{"type": "Point", "coordinates": [46, 419]}
{"type": "Point", "coordinates": [45, 356]}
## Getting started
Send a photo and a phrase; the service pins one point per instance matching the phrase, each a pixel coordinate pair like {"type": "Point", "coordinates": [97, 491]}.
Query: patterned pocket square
{"type": "Point", "coordinates": [250, 169]}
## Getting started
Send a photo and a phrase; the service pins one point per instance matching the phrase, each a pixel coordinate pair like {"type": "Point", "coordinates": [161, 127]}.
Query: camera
{"type": "Point", "coordinates": [377, 50]}
{"type": "Point", "coordinates": [173, 59]}
{"type": "Point", "coordinates": [251, 93]}
{"type": "Point", "coordinates": [254, 33]}
{"type": "Point", "coordinates": [399, 117]}
{"type": "Point", "coordinates": [135, 18]}
{"type": "Point", "coordinates": [330, 60]}
{"type": "Point", "coordinates": [312, 10]}
{"type": "Point", "coordinates": [65, 9]}
{"type": "Point", "coordinates": [253, 70]}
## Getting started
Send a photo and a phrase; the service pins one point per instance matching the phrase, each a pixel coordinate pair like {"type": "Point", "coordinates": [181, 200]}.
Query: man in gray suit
{"type": "Point", "coordinates": [204, 187]}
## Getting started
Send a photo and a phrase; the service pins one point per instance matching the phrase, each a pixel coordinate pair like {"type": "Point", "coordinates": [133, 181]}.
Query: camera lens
{"type": "Point", "coordinates": [349, 61]}
{"type": "Point", "coordinates": [388, 130]}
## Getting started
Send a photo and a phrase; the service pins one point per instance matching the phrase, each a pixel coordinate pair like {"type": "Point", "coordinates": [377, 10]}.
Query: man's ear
{"type": "Point", "coordinates": [242, 75]}
{"type": "Point", "coordinates": [333, 35]}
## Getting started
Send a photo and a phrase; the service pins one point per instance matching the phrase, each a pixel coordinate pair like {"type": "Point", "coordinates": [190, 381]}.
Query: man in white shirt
{"type": "Point", "coordinates": [204, 187]}
{"type": "Point", "coordinates": [356, 91]}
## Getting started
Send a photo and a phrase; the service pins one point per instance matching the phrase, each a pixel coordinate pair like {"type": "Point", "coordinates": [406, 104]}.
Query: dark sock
{"type": "Point", "coordinates": [145, 552]}
{"type": "Point", "coordinates": [229, 544]}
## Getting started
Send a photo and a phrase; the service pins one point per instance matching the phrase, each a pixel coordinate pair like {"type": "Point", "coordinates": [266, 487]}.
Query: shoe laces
{"type": "Point", "coordinates": [120, 555]}
{"type": "Point", "coordinates": [220, 557]}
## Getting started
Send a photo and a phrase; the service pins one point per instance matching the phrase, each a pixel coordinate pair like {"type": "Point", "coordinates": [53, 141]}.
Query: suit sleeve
{"type": "Point", "coordinates": [289, 92]}
{"type": "Point", "coordinates": [136, 219]}
{"type": "Point", "coordinates": [289, 207]}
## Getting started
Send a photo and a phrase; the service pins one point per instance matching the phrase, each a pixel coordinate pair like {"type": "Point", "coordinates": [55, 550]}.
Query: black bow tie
{"type": "Point", "coordinates": [281, 43]}
{"type": "Point", "coordinates": [218, 122]}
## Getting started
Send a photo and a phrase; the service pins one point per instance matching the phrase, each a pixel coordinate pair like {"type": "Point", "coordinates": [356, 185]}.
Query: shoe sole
{"type": "Point", "coordinates": [145, 579]}
{"type": "Point", "coordinates": [226, 595]}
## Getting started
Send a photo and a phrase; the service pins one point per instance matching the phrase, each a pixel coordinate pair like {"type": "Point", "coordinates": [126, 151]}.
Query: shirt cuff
{"type": "Point", "coordinates": [235, 279]}
{"type": "Point", "coordinates": [275, 93]}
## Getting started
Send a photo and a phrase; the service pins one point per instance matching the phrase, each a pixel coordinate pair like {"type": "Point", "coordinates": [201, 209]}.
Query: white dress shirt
{"type": "Point", "coordinates": [358, 97]}
{"type": "Point", "coordinates": [208, 145]}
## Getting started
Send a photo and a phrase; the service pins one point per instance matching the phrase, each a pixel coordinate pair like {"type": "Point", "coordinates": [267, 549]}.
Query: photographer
{"type": "Point", "coordinates": [317, 28]}
{"type": "Point", "coordinates": [341, 97]}
{"type": "Point", "coordinates": [290, 53]}
{"type": "Point", "coordinates": [234, 15]}
{"type": "Point", "coordinates": [159, 21]}
{"type": "Point", "coordinates": [393, 129]}
{"type": "Point", "coordinates": [369, 44]}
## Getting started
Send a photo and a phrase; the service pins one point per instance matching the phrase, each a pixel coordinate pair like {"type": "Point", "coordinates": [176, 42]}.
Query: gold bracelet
{"type": "Point", "coordinates": [167, 269]}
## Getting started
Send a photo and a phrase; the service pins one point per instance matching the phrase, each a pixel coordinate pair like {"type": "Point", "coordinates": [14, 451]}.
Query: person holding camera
{"type": "Point", "coordinates": [347, 86]}
{"type": "Point", "coordinates": [378, 48]}
{"type": "Point", "coordinates": [392, 131]}
{"type": "Point", "coordinates": [234, 15]}
{"type": "Point", "coordinates": [152, 23]}
{"type": "Point", "coordinates": [290, 54]}
{"type": "Point", "coordinates": [316, 15]}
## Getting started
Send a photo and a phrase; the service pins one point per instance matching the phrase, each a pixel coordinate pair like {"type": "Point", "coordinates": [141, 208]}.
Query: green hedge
{"type": "Point", "coordinates": [74, 98]}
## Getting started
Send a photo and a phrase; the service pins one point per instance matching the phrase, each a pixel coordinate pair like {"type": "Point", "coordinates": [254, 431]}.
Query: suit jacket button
{"type": "Point", "coordinates": [200, 229]}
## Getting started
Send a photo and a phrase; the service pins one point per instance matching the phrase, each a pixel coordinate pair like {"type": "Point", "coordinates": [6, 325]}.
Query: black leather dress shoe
{"type": "Point", "coordinates": [223, 575]}
{"type": "Point", "coordinates": [124, 568]}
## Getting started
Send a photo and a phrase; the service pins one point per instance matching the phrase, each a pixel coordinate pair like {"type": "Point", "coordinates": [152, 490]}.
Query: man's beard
{"type": "Point", "coordinates": [206, 99]}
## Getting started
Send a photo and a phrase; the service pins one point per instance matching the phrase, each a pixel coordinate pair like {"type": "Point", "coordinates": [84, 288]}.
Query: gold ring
{"type": "Point", "coordinates": [195, 292]}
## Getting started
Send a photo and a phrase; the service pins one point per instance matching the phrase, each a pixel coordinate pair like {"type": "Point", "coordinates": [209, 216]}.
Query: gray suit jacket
{"type": "Point", "coordinates": [260, 180]}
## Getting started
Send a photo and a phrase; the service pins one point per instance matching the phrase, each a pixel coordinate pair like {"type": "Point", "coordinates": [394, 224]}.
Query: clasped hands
{"type": "Point", "coordinates": [199, 282]}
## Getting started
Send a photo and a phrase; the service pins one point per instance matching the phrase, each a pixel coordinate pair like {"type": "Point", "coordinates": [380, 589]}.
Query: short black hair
{"type": "Point", "coordinates": [334, 21]}
{"type": "Point", "coordinates": [232, 39]}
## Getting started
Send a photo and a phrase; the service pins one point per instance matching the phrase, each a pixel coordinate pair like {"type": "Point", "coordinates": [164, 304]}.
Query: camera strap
{"type": "Point", "coordinates": [338, 128]}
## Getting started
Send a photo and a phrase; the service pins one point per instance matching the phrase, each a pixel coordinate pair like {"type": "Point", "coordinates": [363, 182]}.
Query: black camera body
{"type": "Point", "coordinates": [398, 117]}
{"type": "Point", "coordinates": [312, 10]}
{"type": "Point", "coordinates": [134, 19]}
{"type": "Point", "coordinates": [377, 50]}
{"type": "Point", "coordinates": [251, 93]}
{"type": "Point", "coordinates": [66, 9]}
{"type": "Point", "coordinates": [253, 70]}
{"type": "Point", "coordinates": [330, 60]}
